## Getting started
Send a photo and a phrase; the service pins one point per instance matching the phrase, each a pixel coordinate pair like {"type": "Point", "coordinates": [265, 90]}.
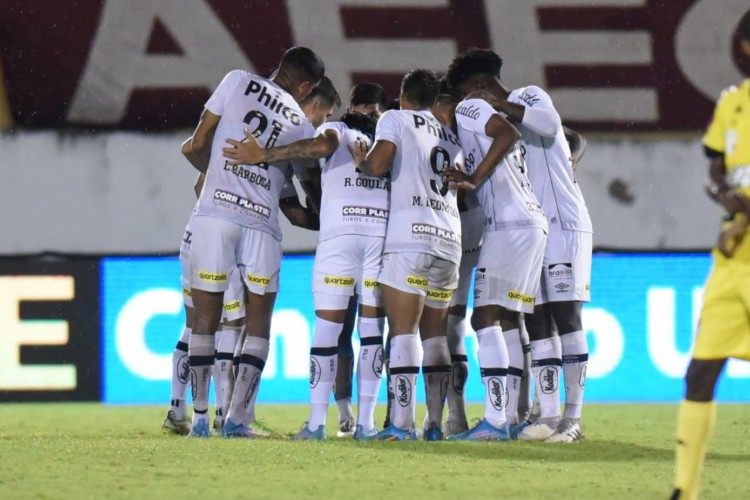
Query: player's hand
{"type": "Point", "coordinates": [358, 151]}
{"type": "Point", "coordinates": [731, 237]}
{"type": "Point", "coordinates": [454, 177]}
{"type": "Point", "coordinates": [247, 152]}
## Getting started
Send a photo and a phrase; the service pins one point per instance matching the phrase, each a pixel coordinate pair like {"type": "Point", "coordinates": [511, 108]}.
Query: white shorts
{"type": "Point", "coordinates": [421, 274]}
{"type": "Point", "coordinates": [187, 297]}
{"type": "Point", "coordinates": [234, 297]}
{"type": "Point", "coordinates": [566, 271]}
{"type": "Point", "coordinates": [472, 230]}
{"type": "Point", "coordinates": [509, 267]}
{"type": "Point", "coordinates": [345, 265]}
{"type": "Point", "coordinates": [219, 245]}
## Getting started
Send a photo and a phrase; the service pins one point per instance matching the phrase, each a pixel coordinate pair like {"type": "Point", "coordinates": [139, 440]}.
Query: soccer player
{"type": "Point", "coordinates": [566, 272]}
{"type": "Point", "coordinates": [353, 219]}
{"type": "Point", "coordinates": [422, 248]}
{"type": "Point", "coordinates": [236, 221]}
{"type": "Point", "coordinates": [515, 233]}
{"type": "Point", "coordinates": [724, 327]}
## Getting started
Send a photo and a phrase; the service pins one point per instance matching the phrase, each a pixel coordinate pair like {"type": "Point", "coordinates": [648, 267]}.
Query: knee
{"type": "Point", "coordinates": [567, 316]}
{"type": "Point", "coordinates": [700, 379]}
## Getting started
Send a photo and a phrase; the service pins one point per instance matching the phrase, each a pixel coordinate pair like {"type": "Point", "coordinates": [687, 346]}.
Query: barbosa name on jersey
{"type": "Point", "coordinates": [272, 102]}
{"type": "Point", "coordinates": [251, 177]}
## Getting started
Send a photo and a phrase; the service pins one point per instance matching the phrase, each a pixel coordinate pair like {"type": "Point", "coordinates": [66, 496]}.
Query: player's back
{"type": "Point", "coordinates": [506, 195]}
{"type": "Point", "coordinates": [549, 168]}
{"type": "Point", "coordinates": [249, 194]}
{"type": "Point", "coordinates": [424, 215]}
{"type": "Point", "coordinates": [352, 203]}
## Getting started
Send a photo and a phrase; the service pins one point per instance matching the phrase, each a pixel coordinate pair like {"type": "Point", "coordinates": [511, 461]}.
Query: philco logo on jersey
{"type": "Point", "coordinates": [372, 284]}
{"type": "Point", "coordinates": [434, 128]}
{"type": "Point", "coordinates": [439, 295]}
{"type": "Point", "coordinates": [521, 297]}
{"type": "Point", "coordinates": [232, 306]}
{"type": "Point", "coordinates": [273, 102]}
{"type": "Point", "coordinates": [256, 279]}
{"type": "Point", "coordinates": [215, 277]}
{"type": "Point", "coordinates": [435, 231]}
{"type": "Point", "coordinates": [365, 212]}
{"type": "Point", "coordinates": [468, 111]}
{"type": "Point", "coordinates": [416, 281]}
{"type": "Point", "coordinates": [242, 202]}
{"type": "Point", "coordinates": [338, 280]}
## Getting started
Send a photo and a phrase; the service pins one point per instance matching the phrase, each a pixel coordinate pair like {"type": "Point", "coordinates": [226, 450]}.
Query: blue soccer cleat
{"type": "Point", "coordinates": [483, 431]}
{"type": "Point", "coordinates": [200, 429]}
{"type": "Point", "coordinates": [305, 434]}
{"type": "Point", "coordinates": [433, 434]}
{"type": "Point", "coordinates": [361, 435]}
{"type": "Point", "coordinates": [393, 433]}
{"type": "Point", "coordinates": [235, 430]}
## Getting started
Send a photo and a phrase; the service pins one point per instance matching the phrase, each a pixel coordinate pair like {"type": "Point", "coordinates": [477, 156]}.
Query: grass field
{"type": "Point", "coordinates": [96, 451]}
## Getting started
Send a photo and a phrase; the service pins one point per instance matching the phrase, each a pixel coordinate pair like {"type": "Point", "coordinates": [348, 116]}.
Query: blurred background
{"type": "Point", "coordinates": [97, 95]}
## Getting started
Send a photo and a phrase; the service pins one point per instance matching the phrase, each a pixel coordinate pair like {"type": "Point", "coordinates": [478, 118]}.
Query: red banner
{"type": "Point", "coordinates": [151, 64]}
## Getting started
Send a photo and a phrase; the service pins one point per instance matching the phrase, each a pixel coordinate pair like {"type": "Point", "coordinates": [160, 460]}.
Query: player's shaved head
{"type": "Point", "coordinates": [326, 92]}
{"type": "Point", "coordinates": [421, 88]}
{"type": "Point", "coordinates": [472, 63]}
{"type": "Point", "coordinates": [302, 64]}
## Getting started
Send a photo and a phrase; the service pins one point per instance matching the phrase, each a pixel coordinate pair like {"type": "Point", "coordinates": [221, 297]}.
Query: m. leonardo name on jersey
{"type": "Point", "coordinates": [416, 201]}
{"type": "Point", "coordinates": [251, 177]}
{"type": "Point", "coordinates": [248, 206]}
{"type": "Point", "coordinates": [375, 213]}
{"type": "Point", "coordinates": [273, 102]}
{"type": "Point", "coordinates": [426, 229]}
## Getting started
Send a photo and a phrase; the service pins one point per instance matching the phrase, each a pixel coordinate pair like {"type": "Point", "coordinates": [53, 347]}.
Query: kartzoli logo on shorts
{"type": "Point", "coordinates": [372, 284]}
{"type": "Point", "coordinates": [416, 281]}
{"type": "Point", "coordinates": [258, 280]}
{"type": "Point", "coordinates": [215, 277]}
{"type": "Point", "coordinates": [440, 295]}
{"type": "Point", "coordinates": [338, 280]}
{"type": "Point", "coordinates": [232, 306]}
{"type": "Point", "coordinates": [521, 297]}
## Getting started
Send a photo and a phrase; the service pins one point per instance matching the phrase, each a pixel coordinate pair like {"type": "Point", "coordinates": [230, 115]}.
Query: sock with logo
{"type": "Point", "coordinates": [459, 368]}
{"type": "Point", "coordinates": [493, 366]}
{"type": "Point", "coordinates": [575, 357]}
{"type": "Point", "coordinates": [515, 373]}
{"type": "Point", "coordinates": [695, 423]}
{"type": "Point", "coordinates": [546, 362]}
{"type": "Point", "coordinates": [201, 350]}
{"type": "Point", "coordinates": [369, 369]}
{"type": "Point", "coordinates": [180, 375]}
{"type": "Point", "coordinates": [223, 371]}
{"type": "Point", "coordinates": [323, 361]}
{"type": "Point", "coordinates": [246, 385]}
{"type": "Point", "coordinates": [404, 370]}
{"type": "Point", "coordinates": [436, 367]}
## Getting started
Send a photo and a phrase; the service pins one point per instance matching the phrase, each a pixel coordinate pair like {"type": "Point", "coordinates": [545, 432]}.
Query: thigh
{"type": "Point", "coordinates": [212, 253]}
{"type": "Point", "coordinates": [442, 280]}
{"type": "Point", "coordinates": [403, 309]}
{"type": "Point", "coordinates": [434, 322]}
{"type": "Point", "coordinates": [259, 314]}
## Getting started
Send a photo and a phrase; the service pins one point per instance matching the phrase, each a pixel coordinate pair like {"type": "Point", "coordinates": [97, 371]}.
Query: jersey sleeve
{"type": "Point", "coordinates": [333, 126]}
{"type": "Point", "coordinates": [389, 128]}
{"type": "Point", "coordinates": [215, 103]}
{"type": "Point", "coordinates": [540, 114]}
{"type": "Point", "coordinates": [473, 114]}
{"type": "Point", "coordinates": [715, 134]}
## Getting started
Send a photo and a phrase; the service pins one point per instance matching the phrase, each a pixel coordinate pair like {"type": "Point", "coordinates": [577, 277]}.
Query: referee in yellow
{"type": "Point", "coordinates": [724, 330]}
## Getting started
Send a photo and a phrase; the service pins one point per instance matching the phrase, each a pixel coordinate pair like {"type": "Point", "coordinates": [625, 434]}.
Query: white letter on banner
{"type": "Point", "coordinates": [292, 328]}
{"type": "Point", "coordinates": [662, 335]}
{"type": "Point", "coordinates": [609, 340]}
{"type": "Point", "coordinates": [130, 332]}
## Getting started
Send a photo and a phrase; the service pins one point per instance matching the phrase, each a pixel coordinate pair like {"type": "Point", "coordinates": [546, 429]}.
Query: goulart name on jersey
{"type": "Point", "coordinates": [423, 212]}
{"type": "Point", "coordinates": [249, 194]}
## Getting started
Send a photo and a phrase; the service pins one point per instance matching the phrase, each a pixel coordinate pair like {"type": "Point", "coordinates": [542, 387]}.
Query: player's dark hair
{"type": "Point", "coordinates": [326, 92]}
{"type": "Point", "coordinates": [744, 27]}
{"type": "Point", "coordinates": [360, 121]}
{"type": "Point", "coordinates": [302, 64]}
{"type": "Point", "coordinates": [447, 92]}
{"type": "Point", "coordinates": [420, 87]}
{"type": "Point", "coordinates": [368, 93]}
{"type": "Point", "coordinates": [394, 104]}
{"type": "Point", "coordinates": [473, 62]}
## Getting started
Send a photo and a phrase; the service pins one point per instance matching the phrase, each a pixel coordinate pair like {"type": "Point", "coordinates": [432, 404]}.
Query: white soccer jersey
{"type": "Point", "coordinates": [424, 215]}
{"type": "Point", "coordinates": [248, 195]}
{"type": "Point", "coordinates": [550, 170]}
{"type": "Point", "coordinates": [352, 203]}
{"type": "Point", "coordinates": [505, 195]}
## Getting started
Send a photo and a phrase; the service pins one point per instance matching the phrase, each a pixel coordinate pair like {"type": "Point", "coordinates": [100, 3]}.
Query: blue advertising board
{"type": "Point", "coordinates": [640, 324]}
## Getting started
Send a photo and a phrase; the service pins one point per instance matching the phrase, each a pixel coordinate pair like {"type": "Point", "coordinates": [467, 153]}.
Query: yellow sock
{"type": "Point", "coordinates": [695, 421]}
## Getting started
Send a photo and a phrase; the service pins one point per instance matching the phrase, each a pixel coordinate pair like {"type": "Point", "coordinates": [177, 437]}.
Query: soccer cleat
{"type": "Point", "coordinates": [453, 427]}
{"type": "Point", "coordinates": [539, 430]}
{"type": "Point", "coordinates": [218, 425]}
{"type": "Point", "coordinates": [235, 430]}
{"type": "Point", "coordinates": [362, 435]}
{"type": "Point", "coordinates": [346, 428]}
{"type": "Point", "coordinates": [200, 429]}
{"type": "Point", "coordinates": [483, 431]}
{"type": "Point", "coordinates": [393, 433]}
{"type": "Point", "coordinates": [175, 425]}
{"type": "Point", "coordinates": [568, 431]}
{"type": "Point", "coordinates": [434, 433]}
{"type": "Point", "coordinates": [305, 434]}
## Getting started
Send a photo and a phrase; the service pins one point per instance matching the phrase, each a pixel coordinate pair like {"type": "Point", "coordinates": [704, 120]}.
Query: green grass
{"type": "Point", "coordinates": [96, 451]}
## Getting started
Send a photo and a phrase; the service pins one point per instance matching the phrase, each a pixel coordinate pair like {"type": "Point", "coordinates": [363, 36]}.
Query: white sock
{"type": "Point", "coordinates": [527, 381]}
{"type": "Point", "coordinates": [545, 365]}
{"type": "Point", "coordinates": [515, 373]}
{"type": "Point", "coordinates": [493, 364]}
{"type": "Point", "coordinates": [180, 375]}
{"type": "Point", "coordinates": [436, 368]}
{"type": "Point", "coordinates": [369, 369]}
{"type": "Point", "coordinates": [459, 368]}
{"type": "Point", "coordinates": [223, 370]}
{"type": "Point", "coordinates": [575, 357]}
{"type": "Point", "coordinates": [323, 362]}
{"type": "Point", "coordinates": [404, 370]}
{"type": "Point", "coordinates": [247, 383]}
{"type": "Point", "coordinates": [201, 355]}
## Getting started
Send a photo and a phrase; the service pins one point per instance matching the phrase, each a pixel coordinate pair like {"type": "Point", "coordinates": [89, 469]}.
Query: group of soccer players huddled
{"type": "Point", "coordinates": [461, 177]}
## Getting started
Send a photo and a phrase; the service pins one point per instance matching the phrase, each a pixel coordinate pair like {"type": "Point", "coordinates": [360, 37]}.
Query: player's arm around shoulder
{"type": "Point", "coordinates": [377, 161]}
{"type": "Point", "coordinates": [197, 148]}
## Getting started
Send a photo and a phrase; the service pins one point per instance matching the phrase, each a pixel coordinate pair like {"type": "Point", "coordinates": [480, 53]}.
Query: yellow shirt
{"type": "Point", "coordinates": [729, 133]}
